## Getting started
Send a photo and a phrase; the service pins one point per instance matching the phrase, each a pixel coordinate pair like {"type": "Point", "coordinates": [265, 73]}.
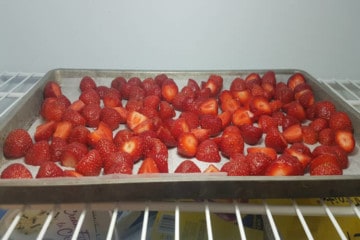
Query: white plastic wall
{"type": "Point", "coordinates": [321, 37]}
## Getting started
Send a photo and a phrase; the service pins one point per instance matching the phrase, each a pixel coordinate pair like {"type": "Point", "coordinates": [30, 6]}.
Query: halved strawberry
{"type": "Point", "coordinates": [201, 134]}
{"type": "Point", "coordinates": [293, 134]}
{"type": "Point", "coordinates": [151, 88]}
{"type": "Point", "coordinates": [79, 134]}
{"type": "Point", "coordinates": [77, 105]}
{"type": "Point", "coordinates": [134, 147]}
{"type": "Point", "coordinates": [251, 134]}
{"type": "Point", "coordinates": [276, 140]}
{"type": "Point", "coordinates": [102, 131]}
{"type": "Point", "coordinates": [326, 136]}
{"type": "Point", "coordinates": [258, 162]}
{"type": "Point", "coordinates": [295, 109]}
{"type": "Point", "coordinates": [145, 126]}
{"type": "Point", "coordinates": [242, 96]}
{"type": "Point", "coordinates": [157, 150]}
{"type": "Point", "coordinates": [134, 105]}
{"type": "Point", "coordinates": [227, 102]}
{"type": "Point", "coordinates": [105, 146]}
{"type": "Point", "coordinates": [71, 173]}
{"type": "Point", "coordinates": [91, 113]}
{"type": "Point", "coordinates": [112, 98]}
{"type": "Point", "coordinates": [52, 109]}
{"type": "Point", "coordinates": [319, 124]}
{"type": "Point", "coordinates": [166, 110]}
{"type": "Point", "coordinates": [148, 165]}
{"type": "Point", "coordinates": [187, 166]}
{"type": "Point", "coordinates": [242, 116]}
{"type": "Point", "coordinates": [266, 150]}
{"type": "Point", "coordinates": [179, 126]}
{"type": "Point", "coordinates": [269, 77]}
{"type": "Point", "coordinates": [191, 118]}
{"type": "Point", "coordinates": [226, 118]}
{"type": "Point", "coordinates": [118, 83]}
{"type": "Point", "coordinates": [74, 117]}
{"type": "Point", "coordinates": [267, 122]}
{"type": "Point", "coordinates": [209, 106]}
{"type": "Point", "coordinates": [102, 90]}
{"type": "Point", "coordinates": [325, 164]}
{"type": "Point", "coordinates": [283, 93]}
{"type": "Point", "coordinates": [169, 90]}
{"type": "Point", "coordinates": [211, 169]}
{"type": "Point", "coordinates": [238, 84]}
{"type": "Point", "coordinates": [288, 121]}
{"type": "Point", "coordinates": [214, 83]}
{"type": "Point", "coordinates": [306, 98]}
{"type": "Point", "coordinates": [38, 153]}
{"type": "Point", "coordinates": [211, 122]}
{"type": "Point", "coordinates": [90, 164]}
{"type": "Point", "coordinates": [324, 109]}
{"type": "Point", "coordinates": [57, 147]}
{"type": "Point", "coordinates": [310, 136]}
{"type": "Point", "coordinates": [118, 162]}
{"type": "Point", "coordinates": [259, 105]}
{"type": "Point", "coordinates": [134, 119]}
{"type": "Point", "coordinates": [231, 141]}
{"type": "Point", "coordinates": [187, 144]}
{"type": "Point", "coordinates": [87, 82]}
{"type": "Point", "coordinates": [44, 131]}
{"type": "Point", "coordinates": [123, 113]}
{"type": "Point", "coordinates": [345, 140]}
{"type": "Point", "coordinates": [63, 129]}
{"type": "Point", "coordinates": [111, 117]}
{"type": "Point", "coordinates": [136, 93]}
{"type": "Point", "coordinates": [252, 78]}
{"type": "Point", "coordinates": [340, 154]}
{"type": "Point", "coordinates": [238, 167]}
{"type": "Point", "coordinates": [72, 153]}
{"type": "Point", "coordinates": [340, 121]}
{"type": "Point", "coordinates": [52, 89]}
{"type": "Point", "coordinates": [285, 165]}
{"type": "Point", "coordinates": [89, 96]}
{"type": "Point", "coordinates": [49, 170]}
{"type": "Point", "coordinates": [16, 171]}
{"type": "Point", "coordinates": [301, 152]}
{"type": "Point", "coordinates": [295, 79]}
{"type": "Point", "coordinates": [208, 151]}
{"type": "Point", "coordinates": [164, 134]}
{"type": "Point", "coordinates": [17, 143]}
{"type": "Point", "coordinates": [122, 136]}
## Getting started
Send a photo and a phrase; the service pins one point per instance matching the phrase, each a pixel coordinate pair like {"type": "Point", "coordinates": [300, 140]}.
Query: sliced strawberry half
{"type": "Point", "coordinates": [208, 151]}
{"type": "Point", "coordinates": [187, 144]}
{"type": "Point", "coordinates": [345, 140]}
{"type": "Point", "coordinates": [285, 165]}
{"type": "Point", "coordinates": [275, 140]}
{"type": "Point", "coordinates": [148, 165]}
{"type": "Point", "coordinates": [157, 150]}
{"type": "Point", "coordinates": [16, 171]}
{"type": "Point", "coordinates": [49, 170]}
{"type": "Point", "coordinates": [52, 89]}
{"type": "Point", "coordinates": [187, 166]}
{"type": "Point", "coordinates": [293, 134]}
{"type": "Point", "coordinates": [17, 143]}
{"type": "Point", "coordinates": [90, 164]}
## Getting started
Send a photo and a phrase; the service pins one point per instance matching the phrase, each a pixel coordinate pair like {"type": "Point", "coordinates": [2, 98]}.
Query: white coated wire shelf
{"type": "Point", "coordinates": [331, 210]}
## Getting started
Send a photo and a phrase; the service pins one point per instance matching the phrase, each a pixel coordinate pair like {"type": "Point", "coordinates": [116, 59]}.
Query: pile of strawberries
{"type": "Point", "coordinates": [259, 126]}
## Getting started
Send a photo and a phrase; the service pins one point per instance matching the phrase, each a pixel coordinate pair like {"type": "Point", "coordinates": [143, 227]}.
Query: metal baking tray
{"type": "Point", "coordinates": [166, 186]}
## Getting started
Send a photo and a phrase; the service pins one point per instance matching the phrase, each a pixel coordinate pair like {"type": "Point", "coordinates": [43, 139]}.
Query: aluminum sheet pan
{"type": "Point", "coordinates": [166, 186]}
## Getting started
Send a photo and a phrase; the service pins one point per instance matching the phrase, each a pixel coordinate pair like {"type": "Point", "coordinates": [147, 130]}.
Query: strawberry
{"type": "Point", "coordinates": [266, 150]}
{"type": "Point", "coordinates": [111, 117]}
{"type": "Point", "coordinates": [63, 129]}
{"type": "Point", "coordinates": [226, 118]}
{"type": "Point", "coordinates": [187, 144]}
{"type": "Point", "coordinates": [345, 140]}
{"type": "Point", "coordinates": [187, 166]}
{"type": "Point", "coordinates": [123, 113]}
{"type": "Point", "coordinates": [306, 98]}
{"type": "Point", "coordinates": [209, 106]}
{"type": "Point", "coordinates": [72, 153]}
{"type": "Point", "coordinates": [102, 90]}
{"type": "Point", "coordinates": [105, 146]}
{"type": "Point", "coordinates": [238, 84]}
{"type": "Point", "coordinates": [52, 89]}
{"type": "Point", "coordinates": [211, 169]}
{"type": "Point", "coordinates": [285, 165]}
{"type": "Point", "coordinates": [340, 121]}
{"type": "Point", "coordinates": [340, 154]}
{"type": "Point", "coordinates": [201, 134]}
{"type": "Point", "coordinates": [136, 93]}
{"type": "Point", "coordinates": [90, 164]}
{"type": "Point", "coordinates": [243, 96]}
{"type": "Point", "coordinates": [89, 96]}
{"type": "Point", "coordinates": [231, 141]}
{"type": "Point", "coordinates": [17, 143]}
{"type": "Point", "coordinates": [157, 150]}
{"type": "Point", "coordinates": [122, 136]}
{"type": "Point", "coordinates": [134, 147]}
{"type": "Point", "coordinates": [166, 110]}
{"type": "Point", "coordinates": [52, 109]}
{"type": "Point", "coordinates": [193, 85]}
{"type": "Point", "coordinates": [236, 167]}
{"type": "Point", "coordinates": [208, 151]}
{"type": "Point", "coordinates": [148, 165]}
{"type": "Point", "coordinates": [152, 102]}
{"type": "Point", "coordinates": [322, 158]}
{"type": "Point", "coordinates": [258, 162]}
{"type": "Point", "coordinates": [325, 164]}
{"type": "Point", "coordinates": [16, 171]}
{"type": "Point", "coordinates": [151, 88]}
{"type": "Point", "coordinates": [145, 126]}
{"type": "Point", "coordinates": [251, 134]}
{"type": "Point", "coordinates": [44, 131]}
{"type": "Point", "coordinates": [118, 162]}
{"type": "Point", "coordinates": [227, 102]}
{"type": "Point", "coordinates": [77, 105]}
{"type": "Point", "coordinates": [134, 119]}
{"type": "Point", "coordinates": [38, 153]}
{"type": "Point", "coordinates": [288, 121]}
{"type": "Point", "coordinates": [310, 136]}
{"type": "Point", "coordinates": [164, 134]}
{"type": "Point", "coordinates": [179, 126]}
{"type": "Point", "coordinates": [295, 79]}
{"type": "Point", "coordinates": [102, 131]}
{"type": "Point", "coordinates": [268, 90]}
{"type": "Point", "coordinates": [295, 109]}
{"type": "Point", "coordinates": [71, 173]}
{"type": "Point", "coordinates": [49, 169]}
{"type": "Point", "coordinates": [112, 98]}
{"type": "Point", "coordinates": [267, 122]}
{"type": "Point", "coordinates": [179, 101]}
{"type": "Point", "coordinates": [256, 90]}
{"type": "Point", "coordinates": [293, 134]}
{"type": "Point", "coordinates": [326, 136]}
{"type": "Point", "coordinates": [118, 83]}
{"type": "Point", "coordinates": [214, 83]}
{"type": "Point", "coordinates": [276, 140]}
{"type": "Point", "coordinates": [242, 116]}
{"type": "Point", "coordinates": [269, 77]}
{"type": "Point", "coordinates": [283, 93]}
{"type": "Point", "coordinates": [301, 89]}
{"type": "Point", "coordinates": [134, 105]}
{"type": "Point", "coordinates": [301, 152]}
{"type": "Point", "coordinates": [169, 90]}
{"type": "Point", "coordinates": [160, 78]}
{"type": "Point", "coordinates": [211, 122]}
{"type": "Point", "coordinates": [91, 113]}
{"type": "Point", "coordinates": [57, 147]}
{"type": "Point", "coordinates": [259, 105]}
{"type": "Point", "coordinates": [87, 82]}
{"type": "Point", "coordinates": [252, 78]}
{"type": "Point", "coordinates": [79, 134]}
{"type": "Point", "coordinates": [74, 117]}
{"type": "Point", "coordinates": [191, 118]}
{"type": "Point", "coordinates": [324, 109]}
{"type": "Point", "coordinates": [65, 101]}
{"type": "Point", "coordinates": [319, 124]}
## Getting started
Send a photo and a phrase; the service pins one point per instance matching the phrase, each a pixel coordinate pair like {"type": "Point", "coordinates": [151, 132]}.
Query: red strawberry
{"type": "Point", "coordinates": [227, 102]}
{"type": "Point", "coordinates": [324, 109]}
{"type": "Point", "coordinates": [151, 87]}
{"type": "Point", "coordinates": [214, 83]}
{"type": "Point", "coordinates": [157, 150]}
{"type": "Point", "coordinates": [136, 93]}
{"type": "Point", "coordinates": [201, 134]}
{"type": "Point", "coordinates": [252, 78]}
{"type": "Point", "coordinates": [310, 136]}
{"type": "Point", "coordinates": [152, 102]}
{"type": "Point", "coordinates": [63, 129]}
{"type": "Point", "coordinates": [90, 164]}
{"type": "Point", "coordinates": [102, 131]}
{"type": "Point", "coordinates": [134, 147]}
{"type": "Point", "coordinates": [48, 170]}
{"type": "Point", "coordinates": [267, 122]}
{"type": "Point", "coordinates": [148, 165]}
{"type": "Point", "coordinates": [72, 153]}
{"type": "Point", "coordinates": [285, 165]}
{"type": "Point", "coordinates": [166, 110]}
{"type": "Point", "coordinates": [169, 90]}
{"type": "Point", "coordinates": [17, 143]}
{"type": "Point", "coordinates": [52, 109]}
{"type": "Point", "coordinates": [65, 101]}
{"type": "Point", "coordinates": [90, 96]}
{"type": "Point", "coordinates": [179, 126]}
{"type": "Point", "coordinates": [211, 122]}
{"type": "Point", "coordinates": [122, 136]}
{"type": "Point", "coordinates": [164, 134]}
{"type": "Point", "coordinates": [187, 144]}
{"type": "Point", "coordinates": [187, 166]}
{"type": "Point", "coordinates": [105, 146]}
{"type": "Point", "coordinates": [269, 77]}
{"type": "Point", "coordinates": [269, 90]}
{"type": "Point", "coordinates": [236, 167]}
{"type": "Point", "coordinates": [238, 84]}
{"type": "Point", "coordinates": [118, 162]}
{"type": "Point", "coordinates": [345, 140]}
{"type": "Point", "coordinates": [295, 79]}
{"type": "Point", "coordinates": [44, 131]}
{"type": "Point", "coordinates": [288, 121]}
{"type": "Point", "coordinates": [259, 105]}
{"type": "Point", "coordinates": [283, 93]}
{"type": "Point", "coordinates": [258, 162]}
{"type": "Point", "coordinates": [38, 153]}
{"type": "Point", "coordinates": [118, 83]}
{"type": "Point", "coordinates": [111, 117]}
{"type": "Point", "coordinates": [191, 118]}
{"type": "Point", "coordinates": [326, 136]}
{"type": "Point", "coordinates": [251, 134]}
{"type": "Point", "coordinates": [77, 105]}
{"type": "Point", "coordinates": [52, 89]}
{"type": "Point", "coordinates": [226, 118]}
{"type": "Point", "coordinates": [71, 173]}
{"type": "Point", "coordinates": [209, 106]}
{"type": "Point", "coordinates": [266, 150]}
{"type": "Point", "coordinates": [231, 141]}
{"type": "Point", "coordinates": [242, 116]}
{"type": "Point", "coordinates": [193, 85]}
{"type": "Point", "coordinates": [340, 154]}
{"type": "Point", "coordinates": [102, 90]}
{"type": "Point", "coordinates": [340, 121]}
{"type": "Point", "coordinates": [319, 124]}
{"type": "Point", "coordinates": [208, 151]}
{"type": "Point", "coordinates": [211, 169]}
{"type": "Point", "coordinates": [134, 119]}
{"type": "Point", "coordinates": [134, 105]}
{"type": "Point", "coordinates": [74, 117]}
{"type": "Point", "coordinates": [276, 140]}
{"type": "Point", "coordinates": [301, 152]}
{"type": "Point", "coordinates": [123, 113]}
{"type": "Point", "coordinates": [243, 96]}
{"type": "Point", "coordinates": [325, 164]}
{"type": "Point", "coordinates": [293, 134]}
{"type": "Point", "coordinates": [16, 171]}
{"type": "Point", "coordinates": [79, 134]}
{"type": "Point", "coordinates": [296, 110]}
{"type": "Point", "coordinates": [87, 82]}
{"type": "Point", "coordinates": [306, 98]}
{"type": "Point", "coordinates": [91, 113]}
{"type": "Point", "coordinates": [57, 147]}
{"type": "Point", "coordinates": [112, 98]}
